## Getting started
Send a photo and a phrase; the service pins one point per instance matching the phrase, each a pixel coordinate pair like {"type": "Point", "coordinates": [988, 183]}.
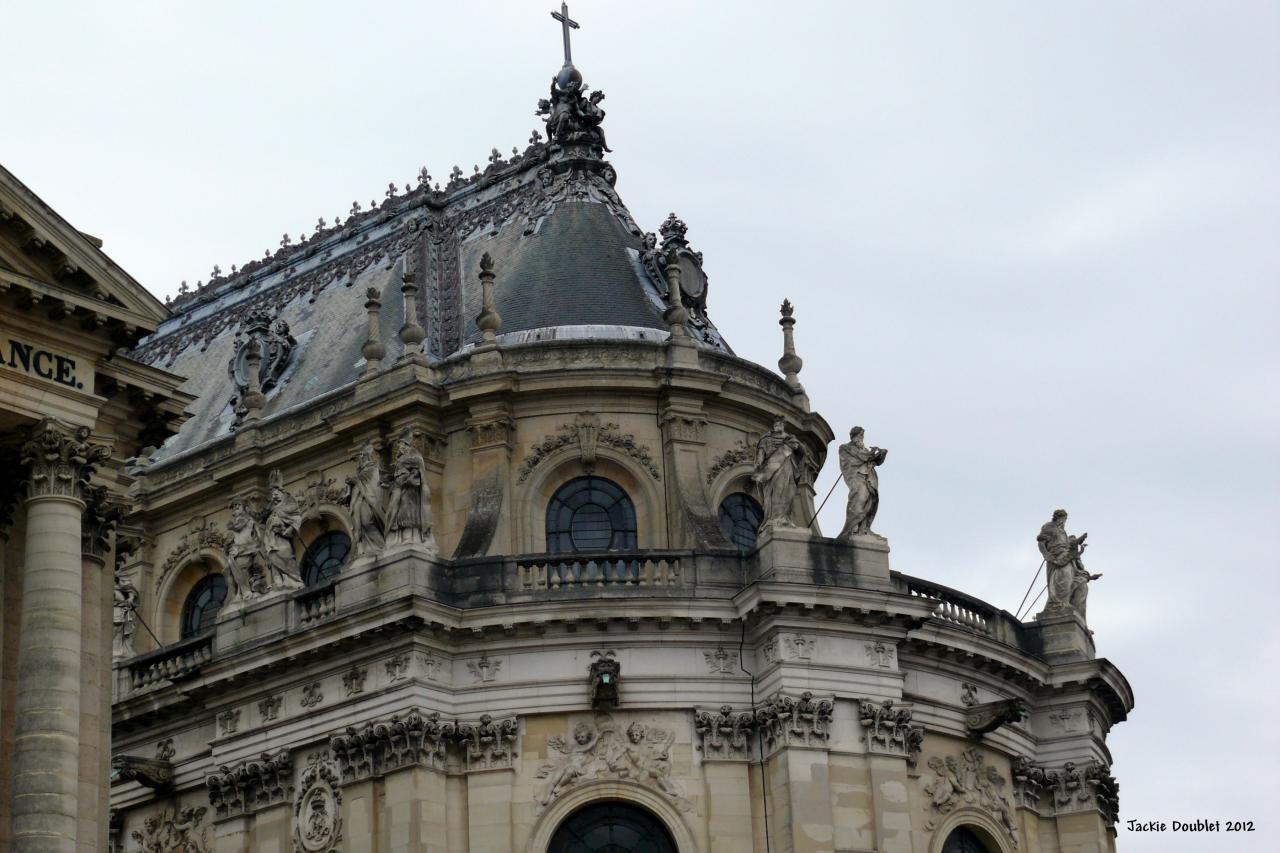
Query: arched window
{"type": "Point", "coordinates": [613, 827]}
{"type": "Point", "coordinates": [200, 610]}
{"type": "Point", "coordinates": [963, 840]}
{"type": "Point", "coordinates": [740, 517]}
{"type": "Point", "coordinates": [590, 514]}
{"type": "Point", "coordinates": [325, 557]}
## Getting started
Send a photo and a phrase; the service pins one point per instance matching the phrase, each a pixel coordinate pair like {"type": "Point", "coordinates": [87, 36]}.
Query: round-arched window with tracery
{"type": "Point", "coordinates": [590, 514]}
{"type": "Point", "coordinates": [740, 517]}
{"type": "Point", "coordinates": [611, 827]}
{"type": "Point", "coordinates": [200, 610]}
{"type": "Point", "coordinates": [325, 557]}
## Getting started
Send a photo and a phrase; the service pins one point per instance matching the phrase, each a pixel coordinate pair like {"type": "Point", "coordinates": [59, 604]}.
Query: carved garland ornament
{"type": "Point", "coordinates": [174, 829]}
{"type": "Point", "coordinates": [889, 730]}
{"type": "Point", "coordinates": [1071, 788]}
{"type": "Point", "coordinates": [588, 433]}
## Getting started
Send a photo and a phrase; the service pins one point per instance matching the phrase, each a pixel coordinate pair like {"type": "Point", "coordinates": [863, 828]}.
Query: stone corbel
{"type": "Point", "coordinates": [153, 773]}
{"type": "Point", "coordinates": [252, 785]}
{"type": "Point", "coordinates": [984, 719]}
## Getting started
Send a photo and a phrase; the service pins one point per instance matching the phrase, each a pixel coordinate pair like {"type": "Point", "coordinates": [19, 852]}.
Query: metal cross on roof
{"type": "Point", "coordinates": [566, 23]}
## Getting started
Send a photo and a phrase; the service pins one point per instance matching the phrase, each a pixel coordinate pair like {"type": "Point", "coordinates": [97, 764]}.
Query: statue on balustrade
{"type": "Point", "coordinates": [124, 617]}
{"type": "Point", "coordinates": [777, 475]}
{"type": "Point", "coordinates": [364, 497]}
{"type": "Point", "coordinates": [409, 509]}
{"type": "Point", "coordinates": [279, 528]}
{"type": "Point", "coordinates": [260, 555]}
{"type": "Point", "coordinates": [1067, 577]}
{"type": "Point", "coordinates": [858, 465]}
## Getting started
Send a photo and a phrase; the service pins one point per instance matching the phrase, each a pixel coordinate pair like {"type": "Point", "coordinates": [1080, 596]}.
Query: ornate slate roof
{"type": "Point", "coordinates": [570, 262]}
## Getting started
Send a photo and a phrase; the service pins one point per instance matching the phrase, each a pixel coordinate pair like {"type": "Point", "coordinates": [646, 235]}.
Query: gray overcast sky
{"type": "Point", "coordinates": [1033, 249]}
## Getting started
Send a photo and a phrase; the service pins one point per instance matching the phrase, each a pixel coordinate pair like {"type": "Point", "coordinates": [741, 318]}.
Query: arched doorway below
{"type": "Point", "coordinates": [611, 827]}
{"type": "Point", "coordinates": [963, 840]}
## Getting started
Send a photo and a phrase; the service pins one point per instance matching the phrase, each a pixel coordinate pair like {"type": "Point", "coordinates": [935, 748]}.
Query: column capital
{"type": "Point", "coordinates": [60, 459]}
{"type": "Point", "coordinates": [102, 512]}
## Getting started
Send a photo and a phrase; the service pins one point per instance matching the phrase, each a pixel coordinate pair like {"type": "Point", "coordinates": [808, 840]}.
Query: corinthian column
{"type": "Point", "coordinates": [47, 743]}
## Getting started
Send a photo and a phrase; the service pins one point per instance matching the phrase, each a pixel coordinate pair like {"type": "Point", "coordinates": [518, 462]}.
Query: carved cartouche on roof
{"type": "Point", "coordinates": [693, 278]}
{"type": "Point", "coordinates": [272, 343]}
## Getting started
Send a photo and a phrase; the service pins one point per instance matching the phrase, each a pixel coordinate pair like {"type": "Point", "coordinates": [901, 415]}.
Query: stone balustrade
{"type": "Point", "coordinates": [584, 571]}
{"type": "Point", "coordinates": [170, 663]}
{"type": "Point", "coordinates": [316, 603]}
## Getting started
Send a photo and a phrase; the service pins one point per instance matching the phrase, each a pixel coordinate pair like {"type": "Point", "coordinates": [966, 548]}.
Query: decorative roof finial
{"type": "Point", "coordinates": [489, 320]}
{"type": "Point", "coordinates": [411, 333]}
{"type": "Point", "coordinates": [566, 24]}
{"type": "Point", "coordinates": [374, 349]}
{"type": "Point", "coordinates": [790, 363]}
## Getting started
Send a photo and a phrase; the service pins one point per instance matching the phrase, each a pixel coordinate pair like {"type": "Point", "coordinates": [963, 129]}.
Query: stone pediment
{"type": "Point", "coordinates": [45, 255]}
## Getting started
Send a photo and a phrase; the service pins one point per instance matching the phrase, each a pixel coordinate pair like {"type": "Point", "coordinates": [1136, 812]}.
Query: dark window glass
{"type": "Point", "coordinates": [200, 610]}
{"type": "Point", "coordinates": [962, 840]}
{"type": "Point", "coordinates": [590, 514]}
{"type": "Point", "coordinates": [611, 827]}
{"type": "Point", "coordinates": [740, 517]}
{"type": "Point", "coordinates": [325, 557]}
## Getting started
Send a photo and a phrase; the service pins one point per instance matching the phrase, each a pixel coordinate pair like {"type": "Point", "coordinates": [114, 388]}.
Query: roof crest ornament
{"type": "Point", "coordinates": [573, 118]}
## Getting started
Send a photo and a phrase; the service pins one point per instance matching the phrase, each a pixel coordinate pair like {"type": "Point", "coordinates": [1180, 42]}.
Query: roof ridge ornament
{"type": "Point", "coordinates": [573, 118]}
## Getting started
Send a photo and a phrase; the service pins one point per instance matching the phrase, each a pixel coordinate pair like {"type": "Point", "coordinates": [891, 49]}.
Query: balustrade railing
{"type": "Point", "coordinates": [316, 604]}
{"type": "Point", "coordinates": [952, 606]}
{"type": "Point", "coordinates": [649, 569]}
{"type": "Point", "coordinates": [170, 663]}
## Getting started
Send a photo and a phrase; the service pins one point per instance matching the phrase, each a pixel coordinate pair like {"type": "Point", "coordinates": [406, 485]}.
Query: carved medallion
{"type": "Point", "coordinates": [317, 826]}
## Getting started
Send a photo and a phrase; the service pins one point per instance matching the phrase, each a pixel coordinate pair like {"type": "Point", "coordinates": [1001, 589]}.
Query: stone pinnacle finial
{"type": "Point", "coordinates": [411, 332]}
{"type": "Point", "coordinates": [489, 320]}
{"type": "Point", "coordinates": [253, 400]}
{"type": "Point", "coordinates": [790, 363]}
{"type": "Point", "coordinates": [374, 350]}
{"type": "Point", "coordinates": [676, 315]}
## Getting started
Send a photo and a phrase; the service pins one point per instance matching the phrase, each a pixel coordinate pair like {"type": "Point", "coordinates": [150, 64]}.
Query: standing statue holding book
{"type": "Point", "coordinates": [1068, 578]}
{"type": "Point", "coordinates": [858, 465]}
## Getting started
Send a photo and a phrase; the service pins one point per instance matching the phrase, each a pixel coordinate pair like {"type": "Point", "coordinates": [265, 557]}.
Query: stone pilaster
{"type": "Point", "coordinates": [46, 763]}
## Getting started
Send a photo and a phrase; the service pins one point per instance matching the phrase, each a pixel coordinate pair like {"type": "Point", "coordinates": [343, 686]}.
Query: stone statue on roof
{"type": "Point", "coordinates": [1068, 579]}
{"type": "Point", "coordinates": [409, 508]}
{"type": "Point", "coordinates": [573, 116]}
{"type": "Point", "coordinates": [777, 474]}
{"type": "Point", "coordinates": [858, 467]}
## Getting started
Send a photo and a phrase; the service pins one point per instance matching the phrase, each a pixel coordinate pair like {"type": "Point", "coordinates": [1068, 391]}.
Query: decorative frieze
{"type": "Point", "coordinates": [968, 694]}
{"type": "Point", "coordinates": [317, 810]}
{"type": "Point", "coordinates": [889, 730]}
{"type": "Point", "coordinates": [398, 667]}
{"type": "Point", "coordinates": [229, 721]}
{"type": "Point", "coordinates": [311, 696]}
{"type": "Point", "coordinates": [354, 680]}
{"type": "Point", "coordinates": [598, 749]}
{"type": "Point", "coordinates": [269, 708]}
{"type": "Point", "coordinates": [251, 785]}
{"type": "Point", "coordinates": [484, 669]}
{"type": "Point", "coordinates": [1071, 788]}
{"type": "Point", "coordinates": [432, 666]}
{"type": "Point", "coordinates": [966, 780]}
{"type": "Point", "coordinates": [494, 433]}
{"type": "Point", "coordinates": [725, 733]}
{"type": "Point", "coordinates": [880, 655]}
{"type": "Point", "coordinates": [780, 721]}
{"type": "Point", "coordinates": [423, 740]}
{"type": "Point", "coordinates": [488, 743]}
{"type": "Point", "coordinates": [721, 661]}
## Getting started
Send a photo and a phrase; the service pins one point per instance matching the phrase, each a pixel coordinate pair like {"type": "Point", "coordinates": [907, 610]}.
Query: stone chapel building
{"type": "Point", "coordinates": [479, 537]}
